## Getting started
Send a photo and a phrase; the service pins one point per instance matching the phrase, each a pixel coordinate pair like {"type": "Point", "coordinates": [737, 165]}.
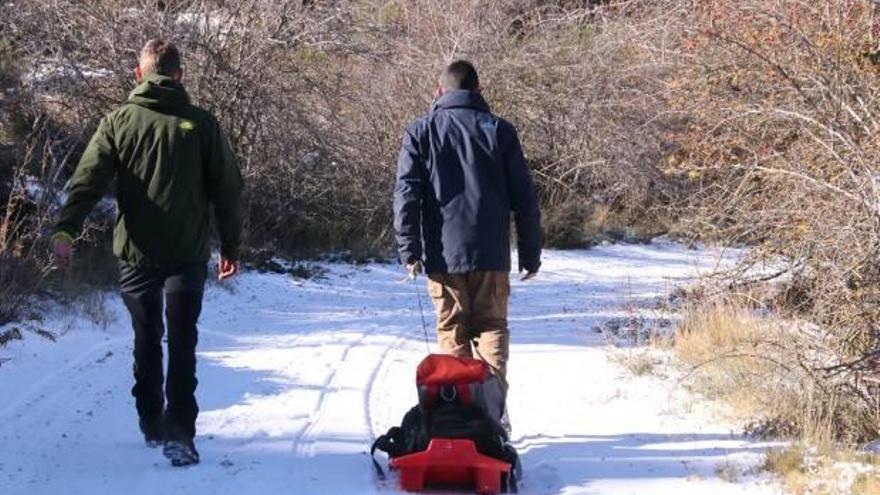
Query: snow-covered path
{"type": "Point", "coordinates": [296, 378]}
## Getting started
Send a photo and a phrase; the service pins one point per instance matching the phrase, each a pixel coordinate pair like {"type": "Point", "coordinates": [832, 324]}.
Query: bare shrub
{"type": "Point", "coordinates": [808, 471]}
{"type": "Point", "coordinates": [867, 484]}
{"type": "Point", "coordinates": [782, 146]}
{"type": "Point", "coordinates": [24, 220]}
{"type": "Point", "coordinates": [315, 95]}
{"type": "Point", "coordinates": [788, 463]}
{"type": "Point", "coordinates": [729, 471]}
{"type": "Point", "coordinates": [763, 366]}
{"type": "Point", "coordinates": [638, 362]}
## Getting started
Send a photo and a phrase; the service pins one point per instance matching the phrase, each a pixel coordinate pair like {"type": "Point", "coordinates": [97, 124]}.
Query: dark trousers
{"type": "Point", "coordinates": [143, 290]}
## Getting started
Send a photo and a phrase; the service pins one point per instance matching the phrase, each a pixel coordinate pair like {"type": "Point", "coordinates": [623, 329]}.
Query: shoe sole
{"type": "Point", "coordinates": [178, 455]}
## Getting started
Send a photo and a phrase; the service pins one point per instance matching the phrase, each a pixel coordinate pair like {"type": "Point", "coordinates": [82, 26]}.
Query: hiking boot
{"type": "Point", "coordinates": [181, 452]}
{"type": "Point", "coordinates": [153, 430]}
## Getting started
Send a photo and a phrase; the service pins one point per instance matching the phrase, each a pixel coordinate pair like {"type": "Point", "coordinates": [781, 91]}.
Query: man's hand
{"type": "Point", "coordinates": [62, 247]}
{"type": "Point", "coordinates": [227, 268]}
{"type": "Point", "coordinates": [414, 269]}
{"type": "Point", "coordinates": [530, 267]}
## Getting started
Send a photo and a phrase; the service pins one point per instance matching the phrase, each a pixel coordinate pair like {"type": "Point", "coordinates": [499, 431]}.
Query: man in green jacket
{"type": "Point", "coordinates": [171, 164]}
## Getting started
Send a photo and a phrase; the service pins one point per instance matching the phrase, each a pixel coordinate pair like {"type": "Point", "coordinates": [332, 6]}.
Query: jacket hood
{"type": "Point", "coordinates": [158, 91]}
{"type": "Point", "coordinates": [461, 98]}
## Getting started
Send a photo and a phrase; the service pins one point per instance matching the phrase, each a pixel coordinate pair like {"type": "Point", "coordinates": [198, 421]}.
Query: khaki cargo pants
{"type": "Point", "coordinates": [472, 316]}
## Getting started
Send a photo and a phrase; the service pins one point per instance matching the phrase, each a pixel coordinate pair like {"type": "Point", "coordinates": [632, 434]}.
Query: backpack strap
{"type": "Point", "coordinates": [392, 443]}
{"type": "Point", "coordinates": [512, 457]}
{"type": "Point", "coordinates": [376, 445]}
{"type": "Point", "coordinates": [512, 486]}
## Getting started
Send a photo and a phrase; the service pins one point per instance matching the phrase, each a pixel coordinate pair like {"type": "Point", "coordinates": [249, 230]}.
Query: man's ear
{"type": "Point", "coordinates": [439, 91]}
{"type": "Point", "coordinates": [138, 74]}
{"type": "Point", "coordinates": [178, 75]}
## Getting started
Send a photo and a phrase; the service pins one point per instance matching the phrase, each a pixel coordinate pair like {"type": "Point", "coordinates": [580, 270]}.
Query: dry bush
{"type": "Point", "coordinates": [315, 95]}
{"type": "Point", "coordinates": [732, 355]}
{"type": "Point", "coordinates": [814, 472]}
{"type": "Point", "coordinates": [782, 142]}
{"type": "Point", "coordinates": [244, 61]}
{"type": "Point", "coordinates": [788, 464]}
{"type": "Point", "coordinates": [764, 368]}
{"type": "Point", "coordinates": [867, 484]}
{"type": "Point", "coordinates": [24, 220]}
{"type": "Point", "coordinates": [28, 206]}
{"type": "Point", "coordinates": [729, 471]}
{"type": "Point", "coordinates": [638, 362]}
{"type": "Point", "coordinates": [574, 224]}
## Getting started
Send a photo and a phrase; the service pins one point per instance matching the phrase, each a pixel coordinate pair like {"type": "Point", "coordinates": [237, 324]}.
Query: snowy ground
{"type": "Point", "coordinates": [296, 379]}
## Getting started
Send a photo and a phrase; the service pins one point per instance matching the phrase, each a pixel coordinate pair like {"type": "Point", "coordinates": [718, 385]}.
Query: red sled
{"type": "Point", "coordinates": [451, 463]}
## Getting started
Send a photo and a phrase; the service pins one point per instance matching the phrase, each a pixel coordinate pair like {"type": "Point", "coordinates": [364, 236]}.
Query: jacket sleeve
{"type": "Point", "coordinates": [90, 181]}
{"type": "Point", "coordinates": [408, 199]}
{"type": "Point", "coordinates": [225, 187]}
{"type": "Point", "coordinates": [524, 203]}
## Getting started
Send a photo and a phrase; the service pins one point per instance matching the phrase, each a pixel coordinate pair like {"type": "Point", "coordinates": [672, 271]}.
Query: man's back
{"type": "Point", "coordinates": [170, 162]}
{"type": "Point", "coordinates": [467, 168]}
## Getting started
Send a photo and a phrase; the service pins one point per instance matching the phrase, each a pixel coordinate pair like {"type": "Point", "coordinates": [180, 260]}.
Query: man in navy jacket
{"type": "Point", "coordinates": [460, 174]}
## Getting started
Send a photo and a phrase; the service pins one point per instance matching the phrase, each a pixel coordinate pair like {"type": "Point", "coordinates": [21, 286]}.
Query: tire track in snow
{"type": "Point", "coordinates": [402, 338]}
{"type": "Point", "coordinates": [305, 442]}
{"type": "Point", "coordinates": [371, 382]}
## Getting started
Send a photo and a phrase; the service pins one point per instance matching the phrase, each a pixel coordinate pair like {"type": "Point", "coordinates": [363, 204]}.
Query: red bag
{"type": "Point", "coordinates": [442, 378]}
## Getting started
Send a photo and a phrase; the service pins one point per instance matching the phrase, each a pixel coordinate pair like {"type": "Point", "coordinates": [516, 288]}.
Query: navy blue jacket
{"type": "Point", "coordinates": [460, 173]}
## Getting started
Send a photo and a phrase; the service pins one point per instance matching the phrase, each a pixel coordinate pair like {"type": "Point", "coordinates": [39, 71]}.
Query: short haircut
{"type": "Point", "coordinates": [460, 74]}
{"type": "Point", "coordinates": [160, 57]}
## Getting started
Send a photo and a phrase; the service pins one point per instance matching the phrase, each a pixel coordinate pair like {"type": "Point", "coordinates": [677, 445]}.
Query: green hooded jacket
{"type": "Point", "coordinates": [171, 163]}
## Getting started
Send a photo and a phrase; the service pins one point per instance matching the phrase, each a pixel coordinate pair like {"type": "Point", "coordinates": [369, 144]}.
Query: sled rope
{"type": "Point", "coordinates": [422, 314]}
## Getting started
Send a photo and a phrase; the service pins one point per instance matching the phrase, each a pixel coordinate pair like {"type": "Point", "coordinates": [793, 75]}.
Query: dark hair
{"type": "Point", "coordinates": [460, 74]}
{"type": "Point", "coordinates": [160, 57]}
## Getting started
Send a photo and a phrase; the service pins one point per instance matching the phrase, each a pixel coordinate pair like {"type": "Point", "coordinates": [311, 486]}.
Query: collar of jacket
{"type": "Point", "coordinates": [462, 98]}
{"type": "Point", "coordinates": [158, 91]}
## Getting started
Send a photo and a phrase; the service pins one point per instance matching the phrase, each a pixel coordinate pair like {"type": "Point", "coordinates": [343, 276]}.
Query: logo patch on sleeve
{"type": "Point", "coordinates": [488, 124]}
{"type": "Point", "coordinates": [187, 125]}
